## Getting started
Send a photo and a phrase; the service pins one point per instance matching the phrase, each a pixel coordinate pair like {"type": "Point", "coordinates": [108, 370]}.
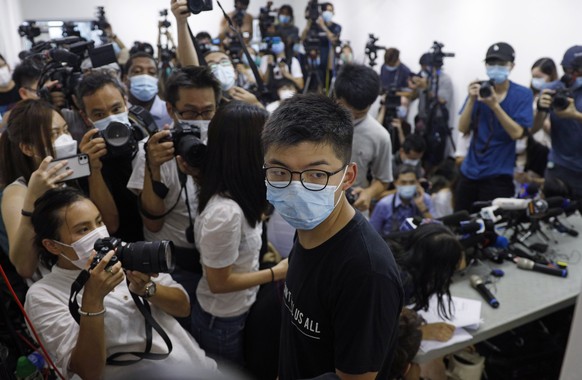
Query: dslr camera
{"type": "Point", "coordinates": [197, 6]}
{"type": "Point", "coordinates": [188, 144]}
{"type": "Point", "coordinates": [486, 89]}
{"type": "Point", "coordinates": [142, 256]}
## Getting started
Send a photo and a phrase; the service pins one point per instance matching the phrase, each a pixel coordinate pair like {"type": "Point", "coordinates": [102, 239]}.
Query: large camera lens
{"type": "Point", "coordinates": [486, 89]}
{"type": "Point", "coordinates": [560, 102]}
{"type": "Point", "coordinates": [192, 149]}
{"type": "Point", "coordinates": [117, 134]}
{"type": "Point", "coordinates": [147, 256]}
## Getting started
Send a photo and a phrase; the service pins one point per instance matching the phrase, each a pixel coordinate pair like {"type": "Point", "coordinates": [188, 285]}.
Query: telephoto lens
{"type": "Point", "coordinates": [141, 256]}
{"type": "Point", "coordinates": [486, 89]}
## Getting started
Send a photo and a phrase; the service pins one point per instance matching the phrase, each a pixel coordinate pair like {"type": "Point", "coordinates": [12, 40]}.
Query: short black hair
{"type": "Point", "coordinates": [358, 85]}
{"type": "Point", "coordinates": [310, 118]}
{"type": "Point", "coordinates": [94, 81]}
{"type": "Point", "coordinates": [288, 8]}
{"type": "Point", "coordinates": [203, 35]}
{"type": "Point", "coordinates": [414, 142]}
{"type": "Point", "coordinates": [191, 77]}
{"type": "Point", "coordinates": [409, 339]}
{"type": "Point", "coordinates": [139, 54]}
{"type": "Point", "coordinates": [26, 73]}
{"type": "Point", "coordinates": [405, 169]}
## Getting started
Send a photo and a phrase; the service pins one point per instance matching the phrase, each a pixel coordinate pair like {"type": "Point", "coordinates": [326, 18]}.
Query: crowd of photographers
{"type": "Point", "coordinates": [168, 150]}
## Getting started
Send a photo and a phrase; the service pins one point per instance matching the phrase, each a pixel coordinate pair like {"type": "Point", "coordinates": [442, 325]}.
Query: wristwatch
{"type": "Point", "coordinates": [150, 290]}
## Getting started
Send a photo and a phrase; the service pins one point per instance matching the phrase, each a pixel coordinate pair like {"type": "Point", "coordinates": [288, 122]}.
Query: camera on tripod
{"type": "Point", "coordinates": [391, 104]}
{"type": "Point", "coordinates": [372, 49]}
{"type": "Point", "coordinates": [29, 30]}
{"type": "Point", "coordinates": [141, 256]}
{"type": "Point", "coordinates": [164, 23]}
{"type": "Point", "coordinates": [267, 19]}
{"type": "Point", "coordinates": [312, 11]}
{"type": "Point", "coordinates": [438, 55]}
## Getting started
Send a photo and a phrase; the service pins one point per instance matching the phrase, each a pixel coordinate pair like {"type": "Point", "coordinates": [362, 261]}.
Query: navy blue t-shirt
{"type": "Point", "coordinates": [397, 78]}
{"type": "Point", "coordinates": [567, 138]}
{"type": "Point", "coordinates": [342, 301]}
{"type": "Point", "coordinates": [492, 150]}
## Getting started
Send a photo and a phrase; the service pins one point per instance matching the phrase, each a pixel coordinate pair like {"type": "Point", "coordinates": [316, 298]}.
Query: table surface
{"type": "Point", "coordinates": [523, 295]}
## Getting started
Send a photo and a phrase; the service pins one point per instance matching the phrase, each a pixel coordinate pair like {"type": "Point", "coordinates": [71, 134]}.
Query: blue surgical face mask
{"type": "Point", "coordinates": [391, 68]}
{"type": "Point", "coordinates": [498, 73]}
{"type": "Point", "coordinates": [406, 192]}
{"type": "Point", "coordinates": [538, 83]}
{"type": "Point", "coordinates": [327, 16]}
{"type": "Point", "coordinates": [278, 48]}
{"type": "Point", "coordinates": [303, 209]}
{"type": "Point", "coordinates": [401, 112]}
{"type": "Point", "coordinates": [284, 19]}
{"type": "Point", "coordinates": [144, 87]}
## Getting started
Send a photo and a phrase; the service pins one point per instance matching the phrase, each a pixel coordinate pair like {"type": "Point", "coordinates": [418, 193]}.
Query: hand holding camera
{"type": "Point", "coordinates": [180, 11]}
{"type": "Point", "coordinates": [104, 278]}
{"type": "Point", "coordinates": [160, 149]}
{"type": "Point", "coordinates": [95, 147]}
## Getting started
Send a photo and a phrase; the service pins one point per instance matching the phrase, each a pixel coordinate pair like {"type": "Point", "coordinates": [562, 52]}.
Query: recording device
{"type": "Point", "coordinates": [267, 18]}
{"type": "Point", "coordinates": [164, 23]}
{"type": "Point", "coordinates": [372, 49]}
{"type": "Point", "coordinates": [455, 218]}
{"type": "Point", "coordinates": [187, 144]}
{"type": "Point", "coordinates": [29, 30]}
{"type": "Point", "coordinates": [141, 256]}
{"type": "Point", "coordinates": [438, 55]}
{"type": "Point", "coordinates": [486, 88]}
{"type": "Point", "coordinates": [78, 163]}
{"type": "Point", "coordinates": [391, 103]}
{"type": "Point", "coordinates": [312, 11]}
{"type": "Point", "coordinates": [101, 23]}
{"type": "Point", "coordinates": [560, 96]}
{"type": "Point", "coordinates": [313, 40]}
{"type": "Point", "coordinates": [527, 264]}
{"type": "Point", "coordinates": [197, 6]}
{"type": "Point", "coordinates": [479, 285]}
{"type": "Point", "coordinates": [166, 53]}
{"type": "Point", "coordinates": [69, 29]}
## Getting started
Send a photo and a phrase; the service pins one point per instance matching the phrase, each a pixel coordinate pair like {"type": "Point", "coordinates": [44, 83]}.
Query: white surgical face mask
{"type": "Point", "coordinates": [200, 124]}
{"type": "Point", "coordinates": [84, 246]}
{"type": "Point", "coordinates": [411, 162]}
{"type": "Point", "coordinates": [286, 94]}
{"type": "Point", "coordinates": [5, 76]}
{"type": "Point", "coordinates": [122, 118]}
{"type": "Point", "coordinates": [64, 146]}
{"type": "Point", "coordinates": [225, 75]}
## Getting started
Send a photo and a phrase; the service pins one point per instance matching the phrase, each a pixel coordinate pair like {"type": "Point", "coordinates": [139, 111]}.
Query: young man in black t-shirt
{"type": "Point", "coordinates": [343, 293]}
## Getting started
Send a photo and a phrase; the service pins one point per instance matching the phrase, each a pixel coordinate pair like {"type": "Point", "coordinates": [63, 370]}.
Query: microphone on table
{"type": "Point", "coordinates": [527, 264]}
{"type": "Point", "coordinates": [479, 285]}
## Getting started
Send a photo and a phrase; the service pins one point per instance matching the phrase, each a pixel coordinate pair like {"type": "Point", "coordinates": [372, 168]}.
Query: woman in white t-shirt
{"type": "Point", "coordinates": [228, 230]}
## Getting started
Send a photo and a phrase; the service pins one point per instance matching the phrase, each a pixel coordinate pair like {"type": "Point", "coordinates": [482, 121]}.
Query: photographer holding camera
{"type": "Point", "coordinates": [168, 198]}
{"type": "Point", "coordinates": [110, 330]}
{"type": "Point", "coordinates": [275, 66]}
{"type": "Point", "coordinates": [243, 22]}
{"type": "Point", "coordinates": [328, 32]}
{"type": "Point", "coordinates": [498, 112]}
{"type": "Point", "coordinates": [565, 161]}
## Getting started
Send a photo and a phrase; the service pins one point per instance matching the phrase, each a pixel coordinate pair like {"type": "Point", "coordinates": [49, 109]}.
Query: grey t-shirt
{"type": "Point", "coordinates": [371, 149]}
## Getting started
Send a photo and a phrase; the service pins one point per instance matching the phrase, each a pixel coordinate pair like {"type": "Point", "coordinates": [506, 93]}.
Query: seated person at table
{"type": "Point", "coordinates": [111, 326]}
{"type": "Point", "coordinates": [409, 201]}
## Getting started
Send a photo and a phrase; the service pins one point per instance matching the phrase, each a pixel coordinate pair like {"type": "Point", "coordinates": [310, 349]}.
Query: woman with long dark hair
{"type": "Point", "coordinates": [228, 230]}
{"type": "Point", "coordinates": [35, 133]}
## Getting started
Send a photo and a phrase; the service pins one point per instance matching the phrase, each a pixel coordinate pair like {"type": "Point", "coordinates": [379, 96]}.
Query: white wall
{"type": "Point", "coordinates": [535, 28]}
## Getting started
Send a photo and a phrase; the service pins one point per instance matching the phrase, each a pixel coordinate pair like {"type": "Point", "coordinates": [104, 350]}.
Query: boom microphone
{"type": "Point", "coordinates": [527, 264]}
{"type": "Point", "coordinates": [479, 285]}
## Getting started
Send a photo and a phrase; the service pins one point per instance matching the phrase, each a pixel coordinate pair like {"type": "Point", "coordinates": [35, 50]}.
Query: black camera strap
{"type": "Point", "coordinates": [183, 179]}
{"type": "Point", "coordinates": [150, 324]}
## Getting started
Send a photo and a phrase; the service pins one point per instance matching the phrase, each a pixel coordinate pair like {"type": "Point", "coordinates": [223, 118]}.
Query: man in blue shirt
{"type": "Point", "coordinates": [409, 201]}
{"type": "Point", "coordinates": [565, 161]}
{"type": "Point", "coordinates": [496, 120]}
{"type": "Point", "coordinates": [394, 74]}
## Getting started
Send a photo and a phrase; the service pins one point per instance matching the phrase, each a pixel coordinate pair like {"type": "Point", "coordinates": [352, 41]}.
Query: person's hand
{"type": "Point", "coordinates": [396, 123]}
{"type": "Point", "coordinates": [490, 101]}
{"type": "Point", "coordinates": [284, 70]}
{"type": "Point", "coordinates": [57, 97]}
{"type": "Point", "coordinates": [439, 331]}
{"type": "Point", "coordinates": [280, 270]}
{"type": "Point", "coordinates": [545, 99]}
{"type": "Point", "coordinates": [418, 82]}
{"type": "Point", "coordinates": [570, 112]}
{"type": "Point", "coordinates": [187, 169]}
{"type": "Point", "coordinates": [158, 150]}
{"type": "Point", "coordinates": [474, 89]}
{"type": "Point", "coordinates": [101, 282]}
{"type": "Point", "coordinates": [180, 11]}
{"type": "Point", "coordinates": [239, 93]}
{"type": "Point", "coordinates": [138, 281]}
{"type": "Point", "coordinates": [94, 147]}
{"type": "Point", "coordinates": [269, 58]}
{"type": "Point", "coordinates": [240, 68]}
{"type": "Point", "coordinates": [363, 199]}
{"type": "Point", "coordinates": [45, 178]}
{"type": "Point", "coordinates": [419, 198]}
{"type": "Point", "coordinates": [320, 21]}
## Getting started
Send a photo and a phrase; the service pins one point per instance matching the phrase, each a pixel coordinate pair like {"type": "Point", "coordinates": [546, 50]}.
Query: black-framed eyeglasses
{"type": "Point", "coordinates": [311, 179]}
{"type": "Point", "coordinates": [193, 115]}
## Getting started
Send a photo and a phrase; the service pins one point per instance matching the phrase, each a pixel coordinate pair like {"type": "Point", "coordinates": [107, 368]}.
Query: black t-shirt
{"type": "Point", "coordinates": [8, 100]}
{"type": "Point", "coordinates": [342, 301]}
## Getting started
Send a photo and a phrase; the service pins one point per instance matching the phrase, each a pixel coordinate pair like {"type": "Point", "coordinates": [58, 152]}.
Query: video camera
{"type": "Point", "coordinates": [141, 256]}
{"type": "Point", "coordinates": [188, 144]}
{"type": "Point", "coordinates": [267, 19]}
{"type": "Point", "coordinates": [164, 23]}
{"type": "Point", "coordinates": [29, 30]}
{"type": "Point", "coordinates": [438, 55]}
{"type": "Point", "coordinates": [372, 49]}
{"type": "Point", "coordinates": [312, 11]}
{"type": "Point", "coordinates": [101, 23]}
